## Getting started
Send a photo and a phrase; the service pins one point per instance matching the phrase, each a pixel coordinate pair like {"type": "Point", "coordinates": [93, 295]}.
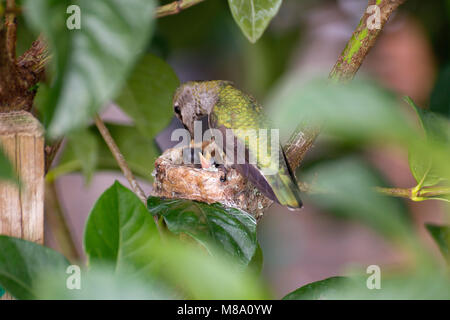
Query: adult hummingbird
{"type": "Point", "coordinates": [234, 112]}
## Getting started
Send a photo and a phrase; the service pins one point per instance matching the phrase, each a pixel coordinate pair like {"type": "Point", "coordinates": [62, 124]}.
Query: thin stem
{"type": "Point", "coordinates": [55, 217]}
{"type": "Point", "coordinates": [124, 166]}
{"type": "Point", "coordinates": [175, 7]}
{"type": "Point", "coordinates": [11, 28]}
{"type": "Point", "coordinates": [347, 65]}
{"type": "Point", "coordinates": [363, 38]}
{"type": "Point", "coordinates": [119, 158]}
{"type": "Point", "coordinates": [412, 194]}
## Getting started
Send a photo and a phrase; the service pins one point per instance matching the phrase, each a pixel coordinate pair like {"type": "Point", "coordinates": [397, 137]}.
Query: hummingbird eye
{"type": "Point", "coordinates": [177, 109]}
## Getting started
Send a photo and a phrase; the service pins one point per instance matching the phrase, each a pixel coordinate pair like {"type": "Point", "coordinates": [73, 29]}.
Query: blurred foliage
{"type": "Point", "coordinates": [441, 234]}
{"type": "Point", "coordinates": [127, 260]}
{"type": "Point", "coordinates": [346, 187]}
{"type": "Point", "coordinates": [83, 145]}
{"type": "Point", "coordinates": [222, 260]}
{"type": "Point", "coordinates": [139, 151]}
{"type": "Point", "coordinates": [423, 285]}
{"type": "Point", "coordinates": [212, 226]}
{"type": "Point", "coordinates": [435, 129]}
{"type": "Point", "coordinates": [440, 97]}
{"type": "Point", "coordinates": [253, 16]}
{"type": "Point", "coordinates": [90, 64]}
{"type": "Point", "coordinates": [21, 264]}
{"type": "Point", "coordinates": [317, 290]}
{"type": "Point", "coordinates": [147, 95]}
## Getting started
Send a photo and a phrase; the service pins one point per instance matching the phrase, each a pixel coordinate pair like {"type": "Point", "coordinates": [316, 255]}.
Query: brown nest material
{"type": "Point", "coordinates": [173, 179]}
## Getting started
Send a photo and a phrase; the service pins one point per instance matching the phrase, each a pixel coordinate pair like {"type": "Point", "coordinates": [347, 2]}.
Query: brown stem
{"type": "Point", "coordinates": [396, 192]}
{"type": "Point", "coordinates": [410, 193]}
{"type": "Point", "coordinates": [175, 7]}
{"type": "Point", "coordinates": [11, 29]}
{"type": "Point", "coordinates": [119, 158]}
{"type": "Point", "coordinates": [50, 153]}
{"type": "Point", "coordinates": [363, 39]}
{"type": "Point", "coordinates": [347, 65]}
{"type": "Point", "coordinates": [55, 217]}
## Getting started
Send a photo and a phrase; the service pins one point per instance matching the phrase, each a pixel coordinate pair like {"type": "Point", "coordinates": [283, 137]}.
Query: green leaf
{"type": "Point", "coordinates": [440, 97]}
{"type": "Point", "coordinates": [139, 151]}
{"type": "Point", "coordinates": [201, 276]}
{"type": "Point", "coordinates": [435, 129]}
{"type": "Point", "coordinates": [359, 111]}
{"type": "Point", "coordinates": [101, 282]}
{"type": "Point", "coordinates": [253, 16]}
{"type": "Point", "coordinates": [441, 234]}
{"type": "Point", "coordinates": [346, 187]}
{"type": "Point", "coordinates": [89, 64]}
{"type": "Point", "coordinates": [22, 262]}
{"type": "Point", "coordinates": [317, 290]}
{"type": "Point", "coordinates": [2, 292]}
{"type": "Point", "coordinates": [119, 229]}
{"type": "Point", "coordinates": [213, 226]}
{"type": "Point", "coordinates": [6, 168]}
{"type": "Point", "coordinates": [84, 145]}
{"type": "Point", "coordinates": [147, 95]}
{"type": "Point", "coordinates": [257, 261]}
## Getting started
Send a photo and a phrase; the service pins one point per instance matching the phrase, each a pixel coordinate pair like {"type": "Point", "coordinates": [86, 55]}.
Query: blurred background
{"type": "Point", "coordinates": [304, 40]}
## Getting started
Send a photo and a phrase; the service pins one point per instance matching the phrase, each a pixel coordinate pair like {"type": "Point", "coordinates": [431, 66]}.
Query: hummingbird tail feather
{"type": "Point", "coordinates": [286, 190]}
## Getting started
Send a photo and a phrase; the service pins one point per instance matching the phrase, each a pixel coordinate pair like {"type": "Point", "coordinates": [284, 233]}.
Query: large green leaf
{"type": "Point", "coordinates": [202, 276]}
{"type": "Point", "coordinates": [435, 129]}
{"type": "Point", "coordinates": [6, 169]}
{"type": "Point", "coordinates": [101, 282]}
{"type": "Point", "coordinates": [359, 111]}
{"type": "Point", "coordinates": [147, 95]}
{"type": "Point", "coordinates": [89, 64]}
{"type": "Point", "coordinates": [213, 226]}
{"type": "Point", "coordinates": [23, 262]}
{"type": "Point", "coordinates": [346, 187]}
{"type": "Point", "coordinates": [119, 229]}
{"type": "Point", "coordinates": [139, 152]}
{"type": "Point", "coordinates": [317, 290]}
{"type": "Point", "coordinates": [441, 234]}
{"type": "Point", "coordinates": [253, 16]}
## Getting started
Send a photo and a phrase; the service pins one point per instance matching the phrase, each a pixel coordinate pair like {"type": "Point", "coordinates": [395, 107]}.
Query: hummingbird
{"type": "Point", "coordinates": [234, 112]}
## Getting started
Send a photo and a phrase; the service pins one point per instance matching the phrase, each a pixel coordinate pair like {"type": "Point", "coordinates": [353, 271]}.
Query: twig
{"type": "Point", "coordinates": [345, 69]}
{"type": "Point", "coordinates": [419, 195]}
{"type": "Point", "coordinates": [55, 217]}
{"type": "Point", "coordinates": [300, 142]}
{"type": "Point", "coordinates": [50, 153]}
{"type": "Point", "coordinates": [119, 158]}
{"type": "Point", "coordinates": [175, 7]}
{"type": "Point", "coordinates": [11, 29]}
{"type": "Point", "coordinates": [363, 39]}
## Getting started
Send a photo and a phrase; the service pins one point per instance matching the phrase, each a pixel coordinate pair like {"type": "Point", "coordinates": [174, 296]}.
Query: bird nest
{"type": "Point", "coordinates": [201, 182]}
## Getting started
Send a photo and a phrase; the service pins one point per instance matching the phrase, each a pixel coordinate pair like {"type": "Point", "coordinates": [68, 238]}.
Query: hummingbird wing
{"type": "Point", "coordinates": [244, 117]}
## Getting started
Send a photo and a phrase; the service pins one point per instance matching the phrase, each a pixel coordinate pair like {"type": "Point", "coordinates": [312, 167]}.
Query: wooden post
{"type": "Point", "coordinates": [22, 207]}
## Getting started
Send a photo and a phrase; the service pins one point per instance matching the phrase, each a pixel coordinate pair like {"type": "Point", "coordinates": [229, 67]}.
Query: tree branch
{"type": "Point", "coordinates": [345, 69]}
{"type": "Point", "coordinates": [119, 158]}
{"type": "Point", "coordinates": [54, 215]}
{"type": "Point", "coordinates": [175, 7]}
